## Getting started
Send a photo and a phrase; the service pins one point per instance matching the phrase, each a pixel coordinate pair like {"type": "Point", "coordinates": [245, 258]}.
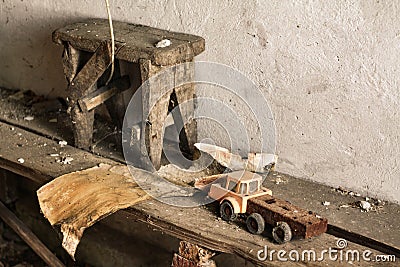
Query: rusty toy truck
{"type": "Point", "coordinates": [241, 192]}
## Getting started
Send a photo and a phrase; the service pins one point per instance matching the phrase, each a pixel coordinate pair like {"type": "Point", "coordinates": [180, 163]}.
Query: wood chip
{"type": "Point", "coordinates": [79, 199]}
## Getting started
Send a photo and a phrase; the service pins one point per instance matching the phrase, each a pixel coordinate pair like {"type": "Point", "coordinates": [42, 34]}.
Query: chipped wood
{"type": "Point", "coordinates": [79, 199]}
{"type": "Point", "coordinates": [191, 255]}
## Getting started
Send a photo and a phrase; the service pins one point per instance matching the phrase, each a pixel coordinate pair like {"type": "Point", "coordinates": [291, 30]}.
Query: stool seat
{"type": "Point", "coordinates": [133, 41]}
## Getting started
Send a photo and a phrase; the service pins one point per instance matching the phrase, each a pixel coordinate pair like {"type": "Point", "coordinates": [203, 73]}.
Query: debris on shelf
{"type": "Point", "coordinates": [21, 160]}
{"type": "Point", "coordinates": [29, 118]}
{"type": "Point", "coordinates": [326, 203]}
{"type": "Point", "coordinates": [255, 162]}
{"type": "Point", "coordinates": [365, 205]}
{"type": "Point", "coordinates": [343, 191]}
{"type": "Point", "coordinates": [163, 43]}
{"type": "Point", "coordinates": [278, 180]}
{"type": "Point", "coordinates": [62, 143]}
{"type": "Point", "coordinates": [65, 160]}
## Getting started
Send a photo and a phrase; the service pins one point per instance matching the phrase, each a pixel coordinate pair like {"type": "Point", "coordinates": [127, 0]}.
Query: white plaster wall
{"type": "Point", "coordinates": [328, 68]}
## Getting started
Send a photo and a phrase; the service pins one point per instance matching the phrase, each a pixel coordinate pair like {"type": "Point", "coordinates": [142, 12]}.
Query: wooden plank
{"type": "Point", "coordinates": [39, 164]}
{"type": "Point", "coordinates": [382, 225]}
{"type": "Point", "coordinates": [198, 225]}
{"type": "Point", "coordinates": [133, 41]}
{"type": "Point", "coordinates": [30, 238]}
{"type": "Point", "coordinates": [104, 93]}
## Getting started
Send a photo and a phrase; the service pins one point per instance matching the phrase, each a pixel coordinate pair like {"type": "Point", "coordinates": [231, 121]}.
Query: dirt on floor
{"type": "Point", "coordinates": [14, 252]}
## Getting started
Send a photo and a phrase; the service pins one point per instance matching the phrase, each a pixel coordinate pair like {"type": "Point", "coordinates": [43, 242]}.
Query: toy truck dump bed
{"type": "Point", "coordinates": [303, 224]}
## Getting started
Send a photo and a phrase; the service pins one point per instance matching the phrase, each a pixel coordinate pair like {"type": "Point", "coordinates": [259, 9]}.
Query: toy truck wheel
{"type": "Point", "coordinates": [227, 212]}
{"type": "Point", "coordinates": [255, 223]}
{"type": "Point", "coordinates": [282, 233]}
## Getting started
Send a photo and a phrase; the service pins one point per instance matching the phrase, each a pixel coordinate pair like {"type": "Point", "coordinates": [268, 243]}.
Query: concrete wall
{"type": "Point", "coordinates": [328, 68]}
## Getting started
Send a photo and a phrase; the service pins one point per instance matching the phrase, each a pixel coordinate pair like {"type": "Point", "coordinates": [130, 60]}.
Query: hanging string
{"type": "Point", "coordinates": [112, 41]}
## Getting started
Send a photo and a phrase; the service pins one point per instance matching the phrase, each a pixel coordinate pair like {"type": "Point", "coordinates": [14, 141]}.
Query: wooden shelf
{"type": "Point", "coordinates": [201, 225]}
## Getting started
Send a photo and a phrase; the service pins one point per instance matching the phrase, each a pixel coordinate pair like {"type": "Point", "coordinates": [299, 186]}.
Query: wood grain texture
{"type": "Point", "coordinates": [133, 41]}
{"type": "Point", "coordinates": [79, 199]}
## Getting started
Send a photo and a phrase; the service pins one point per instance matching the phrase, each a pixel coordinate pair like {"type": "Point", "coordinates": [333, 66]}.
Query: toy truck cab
{"type": "Point", "coordinates": [234, 190]}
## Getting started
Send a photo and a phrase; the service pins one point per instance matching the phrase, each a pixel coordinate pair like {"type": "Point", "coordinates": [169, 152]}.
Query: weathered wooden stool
{"type": "Point", "coordinates": [87, 60]}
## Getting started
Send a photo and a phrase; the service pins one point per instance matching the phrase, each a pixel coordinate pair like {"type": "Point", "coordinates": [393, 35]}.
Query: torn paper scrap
{"type": "Point", "coordinates": [256, 162]}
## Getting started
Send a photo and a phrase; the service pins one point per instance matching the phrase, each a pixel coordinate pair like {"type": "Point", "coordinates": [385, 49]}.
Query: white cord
{"type": "Point", "coordinates": [112, 41]}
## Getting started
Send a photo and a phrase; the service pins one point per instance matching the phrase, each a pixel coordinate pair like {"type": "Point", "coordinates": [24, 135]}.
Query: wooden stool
{"type": "Point", "coordinates": [87, 60]}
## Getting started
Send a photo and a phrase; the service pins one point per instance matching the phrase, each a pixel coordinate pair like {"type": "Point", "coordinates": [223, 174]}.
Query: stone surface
{"type": "Point", "coordinates": [328, 69]}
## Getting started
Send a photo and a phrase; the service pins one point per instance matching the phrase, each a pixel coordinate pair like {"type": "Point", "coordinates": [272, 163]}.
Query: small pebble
{"type": "Point", "coordinates": [67, 160]}
{"type": "Point", "coordinates": [62, 143]}
{"type": "Point", "coordinates": [163, 43]}
{"type": "Point", "coordinates": [29, 118]}
{"type": "Point", "coordinates": [365, 205]}
{"type": "Point", "coordinates": [21, 160]}
{"type": "Point", "coordinates": [326, 203]}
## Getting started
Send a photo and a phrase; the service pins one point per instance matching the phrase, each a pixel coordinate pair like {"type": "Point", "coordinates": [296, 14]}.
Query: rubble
{"type": "Point", "coordinates": [62, 143]}
{"type": "Point", "coordinates": [366, 206]}
{"type": "Point", "coordinates": [29, 118]}
{"type": "Point", "coordinates": [163, 43]}
{"type": "Point", "coordinates": [255, 162]}
{"type": "Point", "coordinates": [65, 160]}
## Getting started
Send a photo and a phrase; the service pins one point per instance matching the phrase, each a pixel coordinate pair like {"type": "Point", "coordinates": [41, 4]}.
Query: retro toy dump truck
{"type": "Point", "coordinates": [241, 192]}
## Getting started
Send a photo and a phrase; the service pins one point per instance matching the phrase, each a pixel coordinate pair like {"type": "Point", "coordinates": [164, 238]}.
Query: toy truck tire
{"type": "Point", "coordinates": [281, 233]}
{"type": "Point", "coordinates": [227, 211]}
{"type": "Point", "coordinates": [255, 223]}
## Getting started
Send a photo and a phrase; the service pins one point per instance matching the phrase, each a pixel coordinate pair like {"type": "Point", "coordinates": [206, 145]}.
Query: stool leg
{"type": "Point", "coordinates": [186, 92]}
{"type": "Point", "coordinates": [82, 124]}
{"type": "Point", "coordinates": [82, 82]}
{"type": "Point", "coordinates": [152, 131]}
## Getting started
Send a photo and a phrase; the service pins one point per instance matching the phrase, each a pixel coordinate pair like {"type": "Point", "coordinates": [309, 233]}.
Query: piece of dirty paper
{"type": "Point", "coordinates": [255, 162]}
{"type": "Point", "coordinates": [79, 199]}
